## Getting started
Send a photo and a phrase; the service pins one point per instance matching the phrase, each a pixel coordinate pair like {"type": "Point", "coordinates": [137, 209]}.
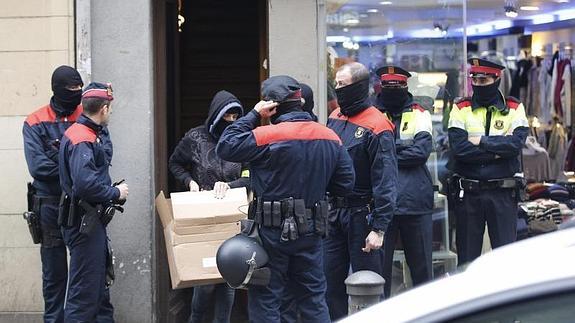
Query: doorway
{"type": "Point", "coordinates": [222, 45]}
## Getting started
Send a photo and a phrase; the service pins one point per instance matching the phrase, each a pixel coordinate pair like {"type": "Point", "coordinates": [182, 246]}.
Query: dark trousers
{"type": "Point", "coordinates": [348, 229]}
{"type": "Point", "coordinates": [88, 297]}
{"type": "Point", "coordinates": [416, 237]}
{"type": "Point", "coordinates": [498, 208]}
{"type": "Point", "coordinates": [224, 300]}
{"type": "Point", "coordinates": [54, 263]}
{"type": "Point", "coordinates": [298, 263]}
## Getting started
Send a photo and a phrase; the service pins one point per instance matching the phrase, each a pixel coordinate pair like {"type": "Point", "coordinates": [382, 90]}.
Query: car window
{"type": "Point", "coordinates": [545, 308]}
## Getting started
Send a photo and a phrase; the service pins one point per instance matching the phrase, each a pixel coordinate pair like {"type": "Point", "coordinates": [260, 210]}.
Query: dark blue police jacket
{"type": "Point", "coordinates": [42, 132]}
{"type": "Point", "coordinates": [413, 145]}
{"type": "Point", "coordinates": [85, 157]}
{"type": "Point", "coordinates": [368, 137]}
{"type": "Point", "coordinates": [295, 158]}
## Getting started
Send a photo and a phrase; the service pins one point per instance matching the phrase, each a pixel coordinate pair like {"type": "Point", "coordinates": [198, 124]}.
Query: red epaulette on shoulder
{"type": "Point", "coordinates": [462, 102]}
{"type": "Point", "coordinates": [44, 114]}
{"type": "Point", "coordinates": [78, 133]}
{"type": "Point", "coordinates": [416, 106]}
{"type": "Point", "coordinates": [512, 102]}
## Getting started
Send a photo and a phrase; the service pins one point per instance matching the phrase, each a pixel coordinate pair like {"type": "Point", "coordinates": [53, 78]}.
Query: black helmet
{"type": "Point", "coordinates": [241, 262]}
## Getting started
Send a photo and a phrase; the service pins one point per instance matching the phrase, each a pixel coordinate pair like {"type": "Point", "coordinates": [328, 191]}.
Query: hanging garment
{"type": "Point", "coordinates": [544, 90]}
{"type": "Point", "coordinates": [534, 106]}
{"type": "Point", "coordinates": [536, 164]}
{"type": "Point", "coordinates": [557, 150]}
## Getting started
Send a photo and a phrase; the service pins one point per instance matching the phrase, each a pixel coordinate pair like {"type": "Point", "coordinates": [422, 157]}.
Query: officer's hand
{"type": "Point", "coordinates": [373, 241]}
{"type": "Point", "coordinates": [474, 140]}
{"type": "Point", "coordinates": [123, 191]}
{"type": "Point", "coordinates": [220, 189]}
{"type": "Point", "coordinates": [194, 186]}
{"type": "Point", "coordinates": [266, 109]}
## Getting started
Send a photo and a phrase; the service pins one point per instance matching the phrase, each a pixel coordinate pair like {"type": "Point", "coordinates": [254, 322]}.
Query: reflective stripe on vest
{"type": "Point", "coordinates": [473, 121]}
{"type": "Point", "coordinates": [413, 122]}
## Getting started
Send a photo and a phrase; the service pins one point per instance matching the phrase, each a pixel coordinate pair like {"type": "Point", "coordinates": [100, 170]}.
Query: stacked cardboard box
{"type": "Point", "coordinates": [195, 225]}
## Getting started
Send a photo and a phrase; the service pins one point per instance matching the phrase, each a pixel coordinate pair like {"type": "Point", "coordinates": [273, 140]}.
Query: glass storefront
{"type": "Point", "coordinates": [432, 39]}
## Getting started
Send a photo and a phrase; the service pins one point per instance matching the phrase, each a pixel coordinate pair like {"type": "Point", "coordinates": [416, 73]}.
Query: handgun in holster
{"type": "Point", "coordinates": [90, 218]}
{"type": "Point", "coordinates": [32, 215]}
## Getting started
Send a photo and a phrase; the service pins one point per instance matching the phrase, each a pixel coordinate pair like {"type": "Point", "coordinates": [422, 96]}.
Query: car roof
{"type": "Point", "coordinates": [526, 266]}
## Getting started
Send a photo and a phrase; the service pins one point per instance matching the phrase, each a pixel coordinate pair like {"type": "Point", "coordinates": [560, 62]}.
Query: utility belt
{"type": "Point", "coordinates": [73, 212]}
{"type": "Point", "coordinates": [338, 202]}
{"type": "Point", "coordinates": [291, 216]}
{"type": "Point", "coordinates": [32, 215]}
{"type": "Point", "coordinates": [463, 185]}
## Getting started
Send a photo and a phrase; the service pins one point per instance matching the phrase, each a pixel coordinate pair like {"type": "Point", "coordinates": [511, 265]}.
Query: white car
{"type": "Point", "coordinates": [532, 280]}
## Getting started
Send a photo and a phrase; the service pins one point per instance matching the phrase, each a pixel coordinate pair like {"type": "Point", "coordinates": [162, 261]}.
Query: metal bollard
{"type": "Point", "coordinates": [365, 288]}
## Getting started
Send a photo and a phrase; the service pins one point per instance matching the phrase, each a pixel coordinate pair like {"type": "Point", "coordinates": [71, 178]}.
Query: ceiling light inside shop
{"type": "Point", "coordinates": [352, 21]}
{"type": "Point", "coordinates": [542, 19]}
{"type": "Point", "coordinates": [562, 1]}
{"type": "Point", "coordinates": [511, 13]}
{"type": "Point", "coordinates": [373, 10]}
{"type": "Point", "coordinates": [363, 15]}
{"type": "Point", "coordinates": [529, 8]}
{"type": "Point", "coordinates": [386, 3]}
{"type": "Point", "coordinates": [345, 30]}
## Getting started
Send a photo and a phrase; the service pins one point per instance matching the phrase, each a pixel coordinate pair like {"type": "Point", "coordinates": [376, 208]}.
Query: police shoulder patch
{"type": "Point", "coordinates": [359, 132]}
{"type": "Point", "coordinates": [498, 124]}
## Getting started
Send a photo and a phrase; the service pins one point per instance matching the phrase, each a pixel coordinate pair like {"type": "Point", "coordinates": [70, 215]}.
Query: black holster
{"type": "Point", "coordinates": [32, 215]}
{"type": "Point", "coordinates": [90, 218]}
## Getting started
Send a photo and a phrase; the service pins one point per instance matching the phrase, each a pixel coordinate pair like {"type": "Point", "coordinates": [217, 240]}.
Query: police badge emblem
{"type": "Point", "coordinates": [359, 132]}
{"type": "Point", "coordinates": [498, 124]}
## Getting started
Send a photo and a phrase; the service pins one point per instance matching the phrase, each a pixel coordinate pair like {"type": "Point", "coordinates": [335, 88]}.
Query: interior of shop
{"type": "Point", "coordinates": [432, 39]}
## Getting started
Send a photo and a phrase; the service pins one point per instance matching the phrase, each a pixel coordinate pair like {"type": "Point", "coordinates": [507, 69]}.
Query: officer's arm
{"type": "Point", "coordinates": [464, 150]}
{"type": "Point", "coordinates": [181, 157]}
{"type": "Point", "coordinates": [509, 146]}
{"type": "Point", "coordinates": [505, 146]}
{"type": "Point", "coordinates": [342, 180]}
{"type": "Point", "coordinates": [243, 180]}
{"type": "Point", "coordinates": [42, 161]}
{"type": "Point", "coordinates": [417, 153]}
{"type": "Point", "coordinates": [238, 143]}
{"type": "Point", "coordinates": [383, 160]}
{"type": "Point", "coordinates": [88, 185]}
{"type": "Point", "coordinates": [459, 144]}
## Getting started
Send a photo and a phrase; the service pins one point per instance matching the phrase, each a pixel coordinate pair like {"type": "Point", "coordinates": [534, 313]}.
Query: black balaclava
{"type": "Point", "coordinates": [286, 107]}
{"type": "Point", "coordinates": [487, 95]}
{"type": "Point", "coordinates": [222, 124]}
{"type": "Point", "coordinates": [393, 99]}
{"type": "Point", "coordinates": [353, 98]}
{"type": "Point", "coordinates": [64, 101]}
{"type": "Point", "coordinates": [307, 95]}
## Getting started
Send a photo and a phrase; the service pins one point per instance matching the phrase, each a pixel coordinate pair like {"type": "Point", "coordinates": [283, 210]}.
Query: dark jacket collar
{"type": "Point", "coordinates": [83, 119]}
{"type": "Point", "coordinates": [294, 116]}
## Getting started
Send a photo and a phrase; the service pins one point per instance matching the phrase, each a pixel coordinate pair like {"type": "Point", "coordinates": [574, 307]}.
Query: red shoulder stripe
{"type": "Point", "coordinates": [286, 131]}
{"type": "Point", "coordinates": [512, 104]}
{"type": "Point", "coordinates": [78, 133]}
{"type": "Point", "coordinates": [416, 106]}
{"type": "Point", "coordinates": [44, 114]}
{"type": "Point", "coordinates": [370, 118]}
{"type": "Point", "coordinates": [463, 104]}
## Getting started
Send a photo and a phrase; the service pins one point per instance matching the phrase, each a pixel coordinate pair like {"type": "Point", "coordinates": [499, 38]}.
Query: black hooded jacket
{"type": "Point", "coordinates": [195, 155]}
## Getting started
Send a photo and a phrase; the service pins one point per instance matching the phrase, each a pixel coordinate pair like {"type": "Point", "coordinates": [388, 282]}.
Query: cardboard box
{"type": "Point", "coordinates": [192, 240]}
{"type": "Point", "coordinates": [201, 208]}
